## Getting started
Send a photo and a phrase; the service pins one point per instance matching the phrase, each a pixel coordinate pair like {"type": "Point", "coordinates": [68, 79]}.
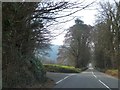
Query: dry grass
{"type": "Point", "coordinates": [112, 72]}
{"type": "Point", "coordinates": [49, 84]}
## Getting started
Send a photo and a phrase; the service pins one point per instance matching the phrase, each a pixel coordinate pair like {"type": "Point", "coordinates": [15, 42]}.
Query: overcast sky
{"type": "Point", "coordinates": [87, 15]}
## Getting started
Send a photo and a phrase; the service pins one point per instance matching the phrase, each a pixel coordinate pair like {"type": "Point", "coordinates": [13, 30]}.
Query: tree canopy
{"type": "Point", "coordinates": [25, 31]}
{"type": "Point", "coordinates": [107, 35]}
{"type": "Point", "coordinates": [77, 43]}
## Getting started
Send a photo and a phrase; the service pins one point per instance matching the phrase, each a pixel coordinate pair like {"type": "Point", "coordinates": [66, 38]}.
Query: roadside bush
{"type": "Point", "coordinates": [38, 69]}
{"type": "Point", "coordinates": [101, 70]}
{"type": "Point", "coordinates": [84, 68]}
{"type": "Point", "coordinates": [22, 74]}
{"type": "Point", "coordinates": [16, 75]}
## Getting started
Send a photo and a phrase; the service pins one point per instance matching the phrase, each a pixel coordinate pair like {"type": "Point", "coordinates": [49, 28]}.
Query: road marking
{"type": "Point", "coordinates": [105, 85]}
{"type": "Point", "coordinates": [94, 75]}
{"type": "Point", "coordinates": [63, 79]}
{"type": "Point", "coordinates": [101, 81]}
{"type": "Point", "coordinates": [85, 72]}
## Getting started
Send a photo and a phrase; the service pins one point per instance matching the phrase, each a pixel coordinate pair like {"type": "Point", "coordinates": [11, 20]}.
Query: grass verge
{"type": "Point", "coordinates": [61, 68]}
{"type": "Point", "coordinates": [112, 72]}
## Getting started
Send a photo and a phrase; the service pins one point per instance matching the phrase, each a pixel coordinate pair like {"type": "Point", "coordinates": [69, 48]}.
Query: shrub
{"type": "Point", "coordinates": [38, 70]}
{"type": "Point", "coordinates": [22, 74]}
{"type": "Point", "coordinates": [101, 70]}
{"type": "Point", "coordinates": [84, 68]}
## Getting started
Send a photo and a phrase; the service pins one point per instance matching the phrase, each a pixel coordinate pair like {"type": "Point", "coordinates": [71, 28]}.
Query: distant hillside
{"type": "Point", "coordinates": [53, 52]}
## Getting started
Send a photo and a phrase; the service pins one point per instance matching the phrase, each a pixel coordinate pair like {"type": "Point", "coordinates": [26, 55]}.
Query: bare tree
{"type": "Point", "coordinates": [107, 44]}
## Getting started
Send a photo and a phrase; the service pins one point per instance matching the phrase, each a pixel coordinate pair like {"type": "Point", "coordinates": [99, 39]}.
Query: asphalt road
{"type": "Point", "coordinates": [88, 79]}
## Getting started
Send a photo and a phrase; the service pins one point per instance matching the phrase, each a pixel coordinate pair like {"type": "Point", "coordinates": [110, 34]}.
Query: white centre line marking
{"type": "Point", "coordinates": [63, 79]}
{"type": "Point", "coordinates": [94, 75]}
{"type": "Point", "coordinates": [59, 81]}
{"type": "Point", "coordinates": [101, 81]}
{"type": "Point", "coordinates": [104, 85]}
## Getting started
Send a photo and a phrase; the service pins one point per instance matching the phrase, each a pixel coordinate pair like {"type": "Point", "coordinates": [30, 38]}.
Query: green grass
{"type": "Point", "coordinates": [61, 68]}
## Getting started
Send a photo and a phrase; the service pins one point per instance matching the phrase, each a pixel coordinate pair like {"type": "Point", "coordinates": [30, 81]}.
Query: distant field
{"type": "Point", "coordinates": [61, 68]}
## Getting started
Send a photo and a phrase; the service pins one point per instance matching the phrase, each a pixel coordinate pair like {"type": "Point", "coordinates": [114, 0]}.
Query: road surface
{"type": "Point", "coordinates": [88, 79]}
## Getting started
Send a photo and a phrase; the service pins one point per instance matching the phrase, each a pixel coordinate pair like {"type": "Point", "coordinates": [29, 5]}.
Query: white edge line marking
{"type": "Point", "coordinates": [63, 79]}
{"type": "Point", "coordinates": [104, 84]}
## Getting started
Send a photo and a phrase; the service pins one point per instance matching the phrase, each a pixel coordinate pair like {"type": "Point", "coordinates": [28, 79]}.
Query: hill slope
{"type": "Point", "coordinates": [53, 52]}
